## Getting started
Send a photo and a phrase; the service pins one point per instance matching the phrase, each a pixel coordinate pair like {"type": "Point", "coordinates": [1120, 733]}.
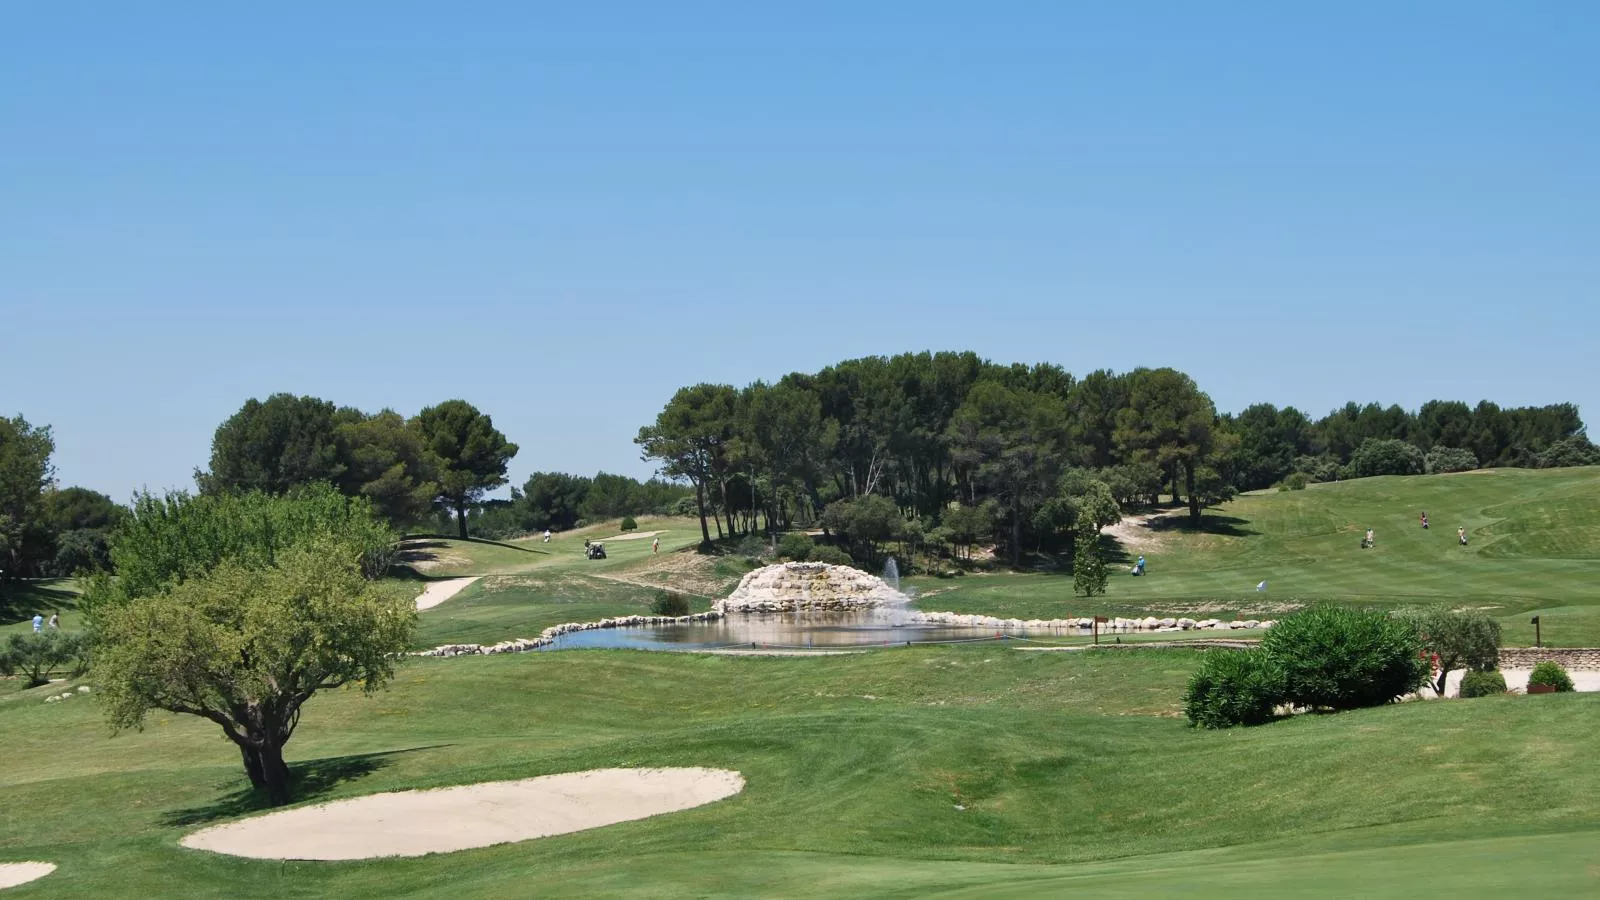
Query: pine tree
{"type": "Point", "coordinates": [1088, 568]}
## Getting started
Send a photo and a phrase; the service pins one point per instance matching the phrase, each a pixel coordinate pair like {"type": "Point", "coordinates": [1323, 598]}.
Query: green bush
{"type": "Point", "coordinates": [1482, 684]}
{"type": "Point", "coordinates": [670, 603]}
{"type": "Point", "coordinates": [827, 553]}
{"type": "Point", "coordinates": [797, 546]}
{"type": "Point", "coordinates": [1386, 456]}
{"type": "Point", "coordinates": [1338, 658]}
{"type": "Point", "coordinates": [1449, 459]}
{"type": "Point", "coordinates": [1551, 673]}
{"type": "Point", "coordinates": [1234, 687]}
{"type": "Point", "coordinates": [628, 524]}
{"type": "Point", "coordinates": [1296, 481]}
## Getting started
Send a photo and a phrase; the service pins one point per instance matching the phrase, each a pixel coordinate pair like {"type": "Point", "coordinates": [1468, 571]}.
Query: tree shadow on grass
{"type": "Point", "coordinates": [19, 600]}
{"type": "Point", "coordinates": [1228, 526]}
{"type": "Point", "coordinates": [310, 779]}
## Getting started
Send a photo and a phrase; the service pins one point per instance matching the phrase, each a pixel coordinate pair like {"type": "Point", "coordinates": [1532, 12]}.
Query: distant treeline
{"type": "Point", "coordinates": [426, 473]}
{"type": "Point", "coordinates": [559, 502]}
{"type": "Point", "coordinates": [936, 433]}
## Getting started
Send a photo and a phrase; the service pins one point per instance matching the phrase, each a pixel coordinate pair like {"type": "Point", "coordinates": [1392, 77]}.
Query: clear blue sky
{"type": "Point", "coordinates": [563, 212]}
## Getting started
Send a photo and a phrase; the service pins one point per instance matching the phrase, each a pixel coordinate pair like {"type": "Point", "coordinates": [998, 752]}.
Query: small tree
{"type": "Point", "coordinates": [246, 647]}
{"type": "Point", "coordinates": [628, 524]}
{"type": "Point", "coordinates": [35, 656]}
{"type": "Point", "coordinates": [1461, 638]}
{"type": "Point", "coordinates": [1088, 568]}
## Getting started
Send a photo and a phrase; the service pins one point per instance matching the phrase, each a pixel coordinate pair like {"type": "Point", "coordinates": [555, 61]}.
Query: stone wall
{"type": "Point", "coordinates": [1568, 657]}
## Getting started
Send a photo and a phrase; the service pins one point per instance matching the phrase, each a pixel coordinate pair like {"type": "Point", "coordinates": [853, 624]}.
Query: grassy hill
{"type": "Point", "coordinates": [1534, 549]}
{"type": "Point", "coordinates": [967, 770]}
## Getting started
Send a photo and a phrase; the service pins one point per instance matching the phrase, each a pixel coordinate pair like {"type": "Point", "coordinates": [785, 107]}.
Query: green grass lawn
{"type": "Point", "coordinates": [502, 607]}
{"type": "Point", "coordinates": [20, 600]}
{"type": "Point", "coordinates": [1075, 773]}
{"type": "Point", "coordinates": [1534, 549]}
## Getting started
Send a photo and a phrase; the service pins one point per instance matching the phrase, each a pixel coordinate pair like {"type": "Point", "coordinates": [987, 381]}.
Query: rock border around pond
{"type": "Point", "coordinates": [1080, 624]}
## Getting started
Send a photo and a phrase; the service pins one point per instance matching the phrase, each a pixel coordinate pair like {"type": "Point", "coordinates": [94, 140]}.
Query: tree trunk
{"type": "Point", "coordinates": [274, 772]}
{"type": "Point", "coordinates": [252, 766]}
{"type": "Point", "coordinates": [700, 506]}
{"type": "Point", "coordinates": [1016, 530]}
{"type": "Point", "coordinates": [1194, 499]}
{"type": "Point", "coordinates": [461, 518]}
{"type": "Point", "coordinates": [1173, 478]}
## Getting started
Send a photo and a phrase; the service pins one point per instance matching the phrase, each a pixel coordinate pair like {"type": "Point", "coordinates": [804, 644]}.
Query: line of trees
{"type": "Point", "coordinates": [559, 501]}
{"type": "Point", "coordinates": [46, 530]}
{"type": "Point", "coordinates": [445, 458]}
{"type": "Point", "coordinates": [967, 449]}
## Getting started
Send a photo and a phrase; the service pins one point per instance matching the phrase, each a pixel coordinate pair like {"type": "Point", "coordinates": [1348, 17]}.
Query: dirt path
{"type": "Point", "coordinates": [438, 592]}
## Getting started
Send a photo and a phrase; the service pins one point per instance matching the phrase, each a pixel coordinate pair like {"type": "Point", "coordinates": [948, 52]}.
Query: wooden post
{"type": "Point", "coordinates": [1537, 642]}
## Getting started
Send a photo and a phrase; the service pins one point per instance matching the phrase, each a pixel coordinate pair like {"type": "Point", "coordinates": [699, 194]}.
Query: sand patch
{"type": "Point", "coordinates": [438, 592]}
{"type": "Point", "coordinates": [1583, 681]}
{"type": "Point", "coordinates": [13, 874]}
{"type": "Point", "coordinates": [1140, 531]}
{"type": "Point", "coordinates": [634, 536]}
{"type": "Point", "coordinates": [416, 823]}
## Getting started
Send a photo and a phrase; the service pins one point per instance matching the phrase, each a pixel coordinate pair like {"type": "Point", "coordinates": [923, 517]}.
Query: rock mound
{"type": "Point", "coordinates": [790, 586]}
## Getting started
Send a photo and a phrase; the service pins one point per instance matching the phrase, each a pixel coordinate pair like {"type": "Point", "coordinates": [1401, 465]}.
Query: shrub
{"type": "Point", "coordinates": [1482, 684]}
{"type": "Point", "coordinates": [1234, 687]}
{"type": "Point", "coordinates": [1338, 658]}
{"type": "Point", "coordinates": [797, 546]}
{"type": "Point", "coordinates": [1573, 451]}
{"type": "Point", "coordinates": [628, 524]}
{"type": "Point", "coordinates": [827, 553]}
{"type": "Point", "coordinates": [753, 548]}
{"type": "Point", "coordinates": [1320, 468]}
{"type": "Point", "coordinates": [1386, 456]}
{"type": "Point", "coordinates": [669, 603]}
{"type": "Point", "coordinates": [1449, 459]}
{"type": "Point", "coordinates": [1296, 481]}
{"type": "Point", "coordinates": [1551, 673]}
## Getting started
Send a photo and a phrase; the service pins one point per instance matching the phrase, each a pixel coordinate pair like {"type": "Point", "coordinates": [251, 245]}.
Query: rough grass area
{"type": "Point", "coordinates": [1534, 549]}
{"type": "Point", "coordinates": [905, 771]}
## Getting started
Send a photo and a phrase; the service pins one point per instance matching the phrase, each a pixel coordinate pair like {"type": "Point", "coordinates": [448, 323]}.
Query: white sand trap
{"type": "Point", "coordinates": [13, 874]}
{"type": "Point", "coordinates": [635, 536]}
{"type": "Point", "coordinates": [438, 592]}
{"type": "Point", "coordinates": [415, 823]}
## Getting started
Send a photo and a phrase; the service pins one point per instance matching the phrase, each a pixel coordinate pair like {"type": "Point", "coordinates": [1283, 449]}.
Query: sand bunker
{"type": "Point", "coordinates": [414, 823]}
{"type": "Point", "coordinates": [438, 592]}
{"type": "Point", "coordinates": [13, 874]}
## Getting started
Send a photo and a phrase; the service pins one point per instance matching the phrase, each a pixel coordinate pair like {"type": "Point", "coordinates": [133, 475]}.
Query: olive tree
{"type": "Point", "coordinates": [238, 609]}
{"type": "Point", "coordinates": [1466, 638]}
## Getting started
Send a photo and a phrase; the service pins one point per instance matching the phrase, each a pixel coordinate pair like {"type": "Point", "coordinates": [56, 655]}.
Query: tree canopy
{"type": "Point", "coordinates": [239, 608]}
{"type": "Point", "coordinates": [472, 456]}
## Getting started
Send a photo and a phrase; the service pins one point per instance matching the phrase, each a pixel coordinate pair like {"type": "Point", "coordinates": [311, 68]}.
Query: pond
{"type": "Point", "coordinates": [864, 628]}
